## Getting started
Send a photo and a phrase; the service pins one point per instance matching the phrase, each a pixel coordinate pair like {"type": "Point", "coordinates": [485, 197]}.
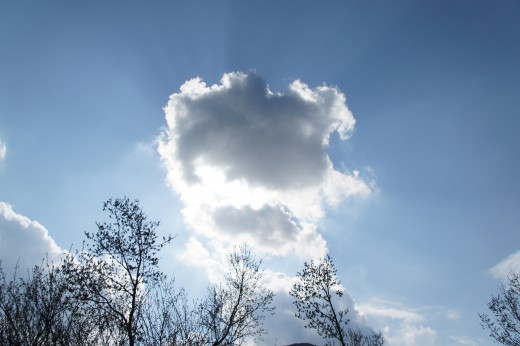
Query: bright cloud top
{"type": "Point", "coordinates": [252, 166]}
{"type": "Point", "coordinates": [23, 241]}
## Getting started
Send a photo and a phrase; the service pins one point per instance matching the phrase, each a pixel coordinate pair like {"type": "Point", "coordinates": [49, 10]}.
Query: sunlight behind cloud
{"type": "Point", "coordinates": [252, 166]}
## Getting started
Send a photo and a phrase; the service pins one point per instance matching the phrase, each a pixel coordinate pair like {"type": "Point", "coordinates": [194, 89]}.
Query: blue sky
{"type": "Point", "coordinates": [433, 88]}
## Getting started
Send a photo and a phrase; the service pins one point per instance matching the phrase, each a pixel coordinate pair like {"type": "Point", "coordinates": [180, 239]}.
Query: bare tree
{"type": "Point", "coordinates": [39, 310]}
{"type": "Point", "coordinates": [315, 296]}
{"type": "Point", "coordinates": [233, 312]}
{"type": "Point", "coordinates": [168, 318]}
{"type": "Point", "coordinates": [504, 325]}
{"type": "Point", "coordinates": [114, 269]}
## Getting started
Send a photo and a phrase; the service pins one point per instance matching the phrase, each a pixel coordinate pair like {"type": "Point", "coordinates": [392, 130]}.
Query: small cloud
{"type": "Point", "coordinates": [3, 150]}
{"type": "Point", "coordinates": [390, 310]}
{"type": "Point", "coordinates": [506, 266]}
{"type": "Point", "coordinates": [267, 226]}
{"type": "Point", "coordinates": [464, 340]}
{"type": "Point", "coordinates": [411, 335]}
{"type": "Point", "coordinates": [452, 314]}
{"type": "Point", "coordinates": [409, 326]}
{"type": "Point", "coordinates": [23, 241]}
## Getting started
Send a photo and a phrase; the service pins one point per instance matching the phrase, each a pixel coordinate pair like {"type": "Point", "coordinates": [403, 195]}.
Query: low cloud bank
{"type": "Point", "coordinates": [24, 242]}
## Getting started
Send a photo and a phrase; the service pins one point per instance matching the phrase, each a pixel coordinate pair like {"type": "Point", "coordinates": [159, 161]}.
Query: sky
{"type": "Point", "coordinates": [383, 133]}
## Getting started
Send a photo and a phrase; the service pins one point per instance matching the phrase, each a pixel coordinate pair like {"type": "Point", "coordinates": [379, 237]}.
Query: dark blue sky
{"type": "Point", "coordinates": [433, 86]}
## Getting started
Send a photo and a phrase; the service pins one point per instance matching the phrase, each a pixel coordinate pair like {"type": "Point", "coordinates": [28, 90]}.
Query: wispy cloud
{"type": "Point", "coordinates": [3, 150]}
{"type": "Point", "coordinates": [252, 166]}
{"type": "Point", "coordinates": [390, 310]}
{"type": "Point", "coordinates": [405, 325]}
{"type": "Point", "coordinates": [23, 241]}
{"type": "Point", "coordinates": [411, 335]}
{"type": "Point", "coordinates": [504, 268]}
{"type": "Point", "coordinates": [465, 340]}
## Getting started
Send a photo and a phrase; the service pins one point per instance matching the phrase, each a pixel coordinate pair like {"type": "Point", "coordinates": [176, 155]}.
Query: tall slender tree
{"type": "Point", "coordinates": [116, 264]}
{"type": "Point", "coordinates": [233, 312]}
{"type": "Point", "coordinates": [315, 296]}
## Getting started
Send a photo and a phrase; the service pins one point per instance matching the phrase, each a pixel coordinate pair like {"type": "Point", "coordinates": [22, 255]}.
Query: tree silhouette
{"type": "Point", "coordinates": [504, 325]}
{"type": "Point", "coordinates": [168, 318]}
{"type": "Point", "coordinates": [39, 309]}
{"type": "Point", "coordinates": [119, 261]}
{"type": "Point", "coordinates": [315, 296]}
{"type": "Point", "coordinates": [233, 312]}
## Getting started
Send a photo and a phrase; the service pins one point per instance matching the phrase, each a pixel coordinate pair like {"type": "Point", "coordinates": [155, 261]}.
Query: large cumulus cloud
{"type": "Point", "coordinates": [23, 242]}
{"type": "Point", "coordinates": [252, 166]}
{"type": "Point", "coordinates": [270, 140]}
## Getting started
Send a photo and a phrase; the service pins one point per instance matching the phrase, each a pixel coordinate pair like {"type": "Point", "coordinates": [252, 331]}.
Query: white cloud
{"type": "Point", "coordinates": [407, 326]}
{"type": "Point", "coordinates": [504, 268]}
{"type": "Point", "coordinates": [411, 335]}
{"type": "Point", "coordinates": [464, 340]}
{"type": "Point", "coordinates": [451, 314]}
{"type": "Point", "coordinates": [252, 166]}
{"type": "Point", "coordinates": [391, 312]}
{"type": "Point", "coordinates": [23, 241]}
{"type": "Point", "coordinates": [3, 150]}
